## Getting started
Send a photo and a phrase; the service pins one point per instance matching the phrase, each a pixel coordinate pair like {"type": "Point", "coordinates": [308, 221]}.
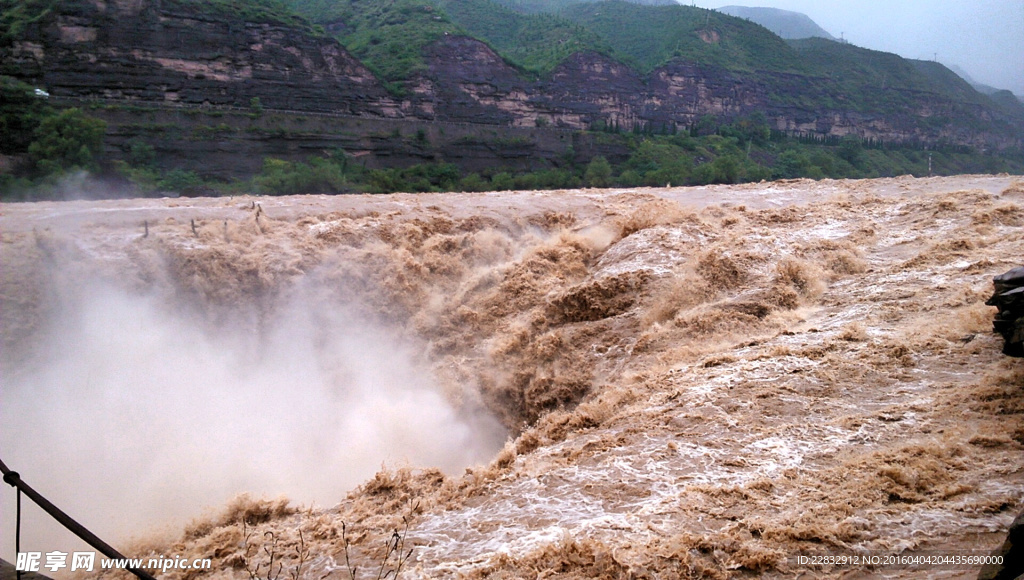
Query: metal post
{"type": "Point", "coordinates": [13, 479]}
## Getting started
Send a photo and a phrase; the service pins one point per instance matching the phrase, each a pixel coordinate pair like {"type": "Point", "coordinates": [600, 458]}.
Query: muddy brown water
{"type": "Point", "coordinates": [657, 383]}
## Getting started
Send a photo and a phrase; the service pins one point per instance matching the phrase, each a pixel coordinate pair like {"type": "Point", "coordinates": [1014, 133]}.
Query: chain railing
{"type": "Point", "coordinates": [13, 479]}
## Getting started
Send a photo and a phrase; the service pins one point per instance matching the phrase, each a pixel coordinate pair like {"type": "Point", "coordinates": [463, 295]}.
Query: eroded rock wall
{"type": "Point", "coordinates": [172, 52]}
{"type": "Point", "coordinates": [151, 50]}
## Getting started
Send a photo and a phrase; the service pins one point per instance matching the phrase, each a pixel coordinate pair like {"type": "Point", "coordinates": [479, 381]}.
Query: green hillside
{"type": "Point", "coordinates": [323, 11]}
{"type": "Point", "coordinates": [388, 36]}
{"type": "Point", "coordinates": [535, 42]}
{"type": "Point", "coordinates": [867, 77]}
{"type": "Point", "coordinates": [650, 36]}
{"type": "Point", "coordinates": [269, 11]}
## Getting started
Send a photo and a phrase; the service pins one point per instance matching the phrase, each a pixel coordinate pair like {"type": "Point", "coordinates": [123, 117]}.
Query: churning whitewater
{"type": "Point", "coordinates": [649, 383]}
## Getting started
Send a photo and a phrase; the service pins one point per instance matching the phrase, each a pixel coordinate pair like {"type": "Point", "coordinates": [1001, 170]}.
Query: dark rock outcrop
{"type": "Point", "coordinates": [1012, 554]}
{"type": "Point", "coordinates": [228, 145]}
{"type": "Point", "coordinates": [150, 50]}
{"type": "Point", "coordinates": [1009, 299]}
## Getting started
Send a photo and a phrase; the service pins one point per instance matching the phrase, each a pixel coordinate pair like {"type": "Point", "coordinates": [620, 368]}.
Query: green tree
{"type": "Point", "coordinates": [598, 173]}
{"type": "Point", "coordinates": [502, 181]}
{"type": "Point", "coordinates": [67, 140]}
{"type": "Point", "coordinates": [753, 128]}
{"type": "Point", "coordinates": [319, 175]}
{"type": "Point", "coordinates": [21, 112]}
{"type": "Point", "coordinates": [179, 180]}
{"type": "Point", "coordinates": [141, 154]}
{"type": "Point", "coordinates": [727, 169]}
{"type": "Point", "coordinates": [852, 150]}
{"type": "Point", "coordinates": [473, 182]}
{"type": "Point", "coordinates": [659, 162]}
{"type": "Point", "coordinates": [792, 164]}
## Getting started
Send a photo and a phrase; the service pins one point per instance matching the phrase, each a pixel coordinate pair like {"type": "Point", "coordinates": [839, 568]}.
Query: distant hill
{"type": "Point", "coordinates": [868, 77]}
{"type": "Point", "coordinates": [788, 25]}
{"type": "Point", "coordinates": [1001, 96]}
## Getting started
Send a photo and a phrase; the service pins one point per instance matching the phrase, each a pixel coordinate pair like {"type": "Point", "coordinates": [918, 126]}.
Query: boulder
{"type": "Point", "coordinates": [1008, 297]}
{"type": "Point", "coordinates": [1012, 553]}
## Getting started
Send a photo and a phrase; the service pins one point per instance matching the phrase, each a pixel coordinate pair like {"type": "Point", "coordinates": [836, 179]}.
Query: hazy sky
{"type": "Point", "coordinates": [985, 37]}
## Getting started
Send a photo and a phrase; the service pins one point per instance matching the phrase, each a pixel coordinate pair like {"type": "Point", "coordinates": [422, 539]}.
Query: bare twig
{"type": "Point", "coordinates": [272, 552]}
{"type": "Point", "coordinates": [301, 552]}
{"type": "Point", "coordinates": [389, 549]}
{"type": "Point", "coordinates": [246, 557]}
{"type": "Point", "coordinates": [348, 563]}
{"type": "Point", "coordinates": [400, 546]}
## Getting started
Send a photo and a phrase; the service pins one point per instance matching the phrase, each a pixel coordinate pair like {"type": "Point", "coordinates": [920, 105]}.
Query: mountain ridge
{"type": "Point", "coordinates": [785, 23]}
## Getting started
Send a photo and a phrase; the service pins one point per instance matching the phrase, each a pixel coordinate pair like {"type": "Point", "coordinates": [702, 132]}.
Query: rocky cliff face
{"type": "Point", "coordinates": [167, 51]}
{"type": "Point", "coordinates": [160, 51]}
{"type": "Point", "coordinates": [467, 81]}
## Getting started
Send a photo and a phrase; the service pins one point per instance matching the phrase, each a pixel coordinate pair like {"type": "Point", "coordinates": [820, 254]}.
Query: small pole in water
{"type": "Point", "coordinates": [194, 232]}
{"type": "Point", "coordinates": [145, 224]}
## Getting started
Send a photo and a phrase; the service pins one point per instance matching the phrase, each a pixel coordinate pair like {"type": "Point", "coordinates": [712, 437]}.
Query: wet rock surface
{"type": "Point", "coordinates": [1009, 299]}
{"type": "Point", "coordinates": [1012, 552]}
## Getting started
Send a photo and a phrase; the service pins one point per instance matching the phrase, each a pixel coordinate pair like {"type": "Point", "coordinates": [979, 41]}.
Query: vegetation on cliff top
{"type": "Point", "coordinates": [650, 36]}
{"type": "Point", "coordinates": [388, 36]}
{"type": "Point", "coordinates": [17, 15]}
{"type": "Point", "coordinates": [535, 42]}
{"type": "Point", "coordinates": [263, 11]}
